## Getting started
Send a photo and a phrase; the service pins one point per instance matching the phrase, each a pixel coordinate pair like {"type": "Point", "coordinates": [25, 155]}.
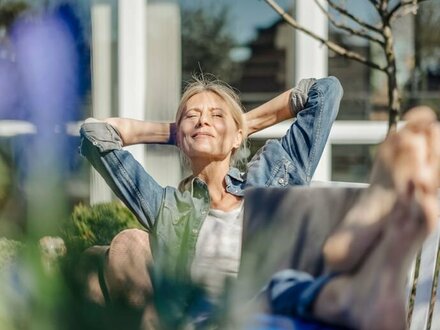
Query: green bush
{"type": "Point", "coordinates": [97, 225]}
{"type": "Point", "coordinates": [6, 175]}
{"type": "Point", "coordinates": [8, 251]}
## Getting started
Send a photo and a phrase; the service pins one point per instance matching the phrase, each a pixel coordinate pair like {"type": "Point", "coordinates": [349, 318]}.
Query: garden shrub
{"type": "Point", "coordinates": [97, 225]}
{"type": "Point", "coordinates": [6, 175]}
{"type": "Point", "coordinates": [8, 251]}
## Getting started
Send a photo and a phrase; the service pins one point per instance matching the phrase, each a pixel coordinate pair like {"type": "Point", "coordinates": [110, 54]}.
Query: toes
{"type": "Point", "coordinates": [420, 116]}
{"type": "Point", "coordinates": [429, 206]}
{"type": "Point", "coordinates": [433, 138]}
{"type": "Point", "coordinates": [416, 150]}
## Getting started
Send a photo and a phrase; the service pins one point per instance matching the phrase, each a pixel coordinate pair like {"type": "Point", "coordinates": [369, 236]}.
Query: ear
{"type": "Point", "coordinates": [177, 136]}
{"type": "Point", "coordinates": [238, 138]}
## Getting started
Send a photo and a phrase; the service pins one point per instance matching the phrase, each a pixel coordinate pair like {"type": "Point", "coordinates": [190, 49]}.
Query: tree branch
{"type": "Point", "coordinates": [409, 5]}
{"type": "Point", "coordinates": [374, 3]}
{"type": "Point", "coordinates": [331, 45]}
{"type": "Point", "coordinates": [383, 5]}
{"type": "Point", "coordinates": [360, 33]}
{"type": "Point", "coordinates": [382, 10]}
{"type": "Point", "coordinates": [355, 19]}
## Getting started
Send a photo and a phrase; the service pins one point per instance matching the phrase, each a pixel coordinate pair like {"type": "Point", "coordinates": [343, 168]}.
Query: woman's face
{"type": "Point", "coordinates": [207, 129]}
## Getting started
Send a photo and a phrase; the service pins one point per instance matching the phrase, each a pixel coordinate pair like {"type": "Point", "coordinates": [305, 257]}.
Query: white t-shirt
{"type": "Point", "coordinates": [218, 249]}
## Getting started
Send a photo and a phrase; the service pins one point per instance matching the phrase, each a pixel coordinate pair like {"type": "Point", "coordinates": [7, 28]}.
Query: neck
{"type": "Point", "coordinates": [211, 172]}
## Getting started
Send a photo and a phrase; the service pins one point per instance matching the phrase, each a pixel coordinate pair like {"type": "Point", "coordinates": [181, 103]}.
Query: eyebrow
{"type": "Point", "coordinates": [198, 109]}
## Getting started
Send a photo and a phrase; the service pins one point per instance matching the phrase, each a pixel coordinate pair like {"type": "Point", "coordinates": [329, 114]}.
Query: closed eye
{"type": "Point", "coordinates": [217, 113]}
{"type": "Point", "coordinates": [190, 115]}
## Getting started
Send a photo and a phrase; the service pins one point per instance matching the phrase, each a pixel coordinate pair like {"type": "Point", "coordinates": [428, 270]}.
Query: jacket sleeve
{"type": "Point", "coordinates": [306, 138]}
{"type": "Point", "coordinates": [102, 146]}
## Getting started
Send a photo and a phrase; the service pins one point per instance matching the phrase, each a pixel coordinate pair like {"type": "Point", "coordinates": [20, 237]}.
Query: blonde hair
{"type": "Point", "coordinates": [208, 83]}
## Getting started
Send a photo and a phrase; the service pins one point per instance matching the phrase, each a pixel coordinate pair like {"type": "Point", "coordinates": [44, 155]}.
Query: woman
{"type": "Point", "coordinates": [195, 230]}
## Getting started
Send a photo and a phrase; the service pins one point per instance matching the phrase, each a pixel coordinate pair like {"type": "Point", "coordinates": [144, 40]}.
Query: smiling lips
{"type": "Point", "coordinates": [201, 134]}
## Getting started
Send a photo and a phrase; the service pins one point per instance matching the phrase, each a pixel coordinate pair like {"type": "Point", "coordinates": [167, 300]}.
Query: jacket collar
{"type": "Point", "coordinates": [188, 182]}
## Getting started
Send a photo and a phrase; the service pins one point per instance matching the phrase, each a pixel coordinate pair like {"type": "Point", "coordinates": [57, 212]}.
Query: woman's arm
{"type": "Point", "coordinates": [269, 113]}
{"type": "Point", "coordinates": [134, 131]}
{"type": "Point", "coordinates": [280, 108]}
{"type": "Point", "coordinates": [102, 146]}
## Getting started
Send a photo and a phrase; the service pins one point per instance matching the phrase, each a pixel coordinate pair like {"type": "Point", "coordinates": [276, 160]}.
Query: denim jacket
{"type": "Point", "coordinates": [174, 216]}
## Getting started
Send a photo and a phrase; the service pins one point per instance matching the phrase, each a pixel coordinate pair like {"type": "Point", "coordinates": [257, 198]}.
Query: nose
{"type": "Point", "coordinates": [204, 119]}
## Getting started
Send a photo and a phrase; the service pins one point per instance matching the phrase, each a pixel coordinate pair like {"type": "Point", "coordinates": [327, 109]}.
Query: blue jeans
{"type": "Point", "coordinates": [292, 293]}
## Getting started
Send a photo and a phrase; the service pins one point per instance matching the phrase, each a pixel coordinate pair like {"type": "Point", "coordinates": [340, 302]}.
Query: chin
{"type": "Point", "coordinates": [199, 149]}
{"type": "Point", "coordinates": [201, 154]}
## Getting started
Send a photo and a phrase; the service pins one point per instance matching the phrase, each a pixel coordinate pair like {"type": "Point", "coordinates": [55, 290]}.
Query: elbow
{"type": "Point", "coordinates": [335, 86]}
{"type": "Point", "coordinates": [330, 90]}
{"type": "Point", "coordinates": [98, 136]}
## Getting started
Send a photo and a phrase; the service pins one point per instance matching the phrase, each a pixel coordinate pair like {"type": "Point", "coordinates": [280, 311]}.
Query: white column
{"type": "Point", "coordinates": [164, 83]}
{"type": "Point", "coordinates": [311, 56]}
{"type": "Point", "coordinates": [101, 15]}
{"type": "Point", "coordinates": [312, 61]}
{"type": "Point", "coordinates": [132, 64]}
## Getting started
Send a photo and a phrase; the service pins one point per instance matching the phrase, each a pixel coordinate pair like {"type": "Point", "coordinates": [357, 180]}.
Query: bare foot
{"type": "Point", "coordinates": [412, 154]}
{"type": "Point", "coordinates": [373, 297]}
